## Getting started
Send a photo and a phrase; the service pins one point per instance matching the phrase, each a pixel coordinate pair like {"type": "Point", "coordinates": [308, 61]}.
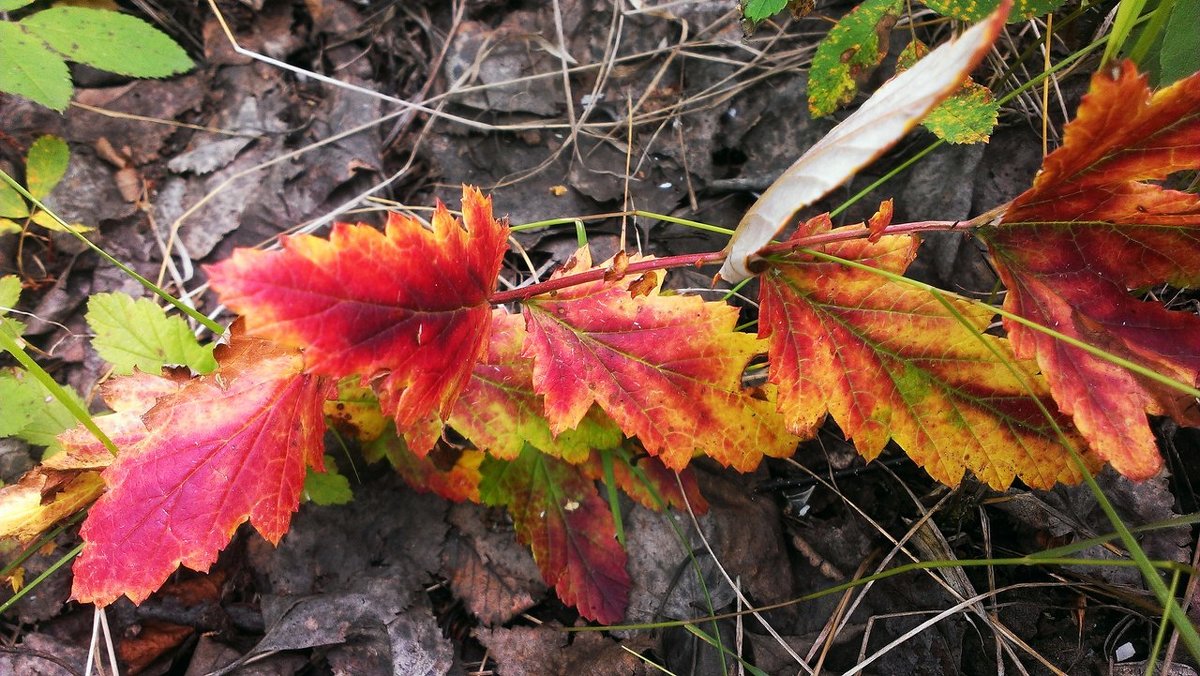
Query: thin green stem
{"type": "Point", "coordinates": [9, 344]}
{"type": "Point", "coordinates": [213, 326]}
{"type": "Point", "coordinates": [40, 578]}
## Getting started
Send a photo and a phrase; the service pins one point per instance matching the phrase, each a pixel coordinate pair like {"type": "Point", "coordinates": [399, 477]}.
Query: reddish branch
{"type": "Point", "coordinates": [713, 257]}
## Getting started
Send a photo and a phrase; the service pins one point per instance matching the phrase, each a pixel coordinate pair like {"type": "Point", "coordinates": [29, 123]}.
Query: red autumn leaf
{"type": "Point", "coordinates": [227, 447]}
{"type": "Point", "coordinates": [889, 361]}
{"type": "Point", "coordinates": [667, 369]}
{"type": "Point", "coordinates": [557, 512]}
{"type": "Point", "coordinates": [500, 412]}
{"type": "Point", "coordinates": [1090, 231]}
{"type": "Point", "coordinates": [406, 309]}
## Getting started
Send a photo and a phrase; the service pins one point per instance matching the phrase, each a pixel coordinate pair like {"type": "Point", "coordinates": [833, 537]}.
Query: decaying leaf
{"type": "Point", "coordinates": [889, 361]}
{"type": "Point", "coordinates": [1074, 249]}
{"type": "Point", "coordinates": [42, 498]}
{"type": "Point", "coordinates": [225, 448]}
{"type": "Point", "coordinates": [667, 369]}
{"type": "Point", "coordinates": [406, 309]}
{"type": "Point", "coordinates": [967, 116]}
{"type": "Point", "coordinates": [849, 53]}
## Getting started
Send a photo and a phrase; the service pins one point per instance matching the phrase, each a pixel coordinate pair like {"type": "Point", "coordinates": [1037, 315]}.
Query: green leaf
{"type": "Point", "coordinates": [11, 202]}
{"type": "Point", "coordinates": [139, 334]}
{"type": "Point", "coordinates": [853, 48]}
{"type": "Point", "coordinates": [8, 227]}
{"type": "Point", "coordinates": [966, 117]}
{"type": "Point", "coordinates": [30, 412]}
{"type": "Point", "coordinates": [10, 5]}
{"type": "Point", "coordinates": [110, 41]}
{"type": "Point", "coordinates": [10, 292]}
{"type": "Point", "coordinates": [328, 487]}
{"type": "Point", "coordinates": [28, 68]}
{"type": "Point", "coordinates": [757, 10]}
{"type": "Point", "coordinates": [974, 10]}
{"type": "Point", "coordinates": [45, 165]}
{"type": "Point", "coordinates": [20, 403]}
{"type": "Point", "coordinates": [1179, 55]}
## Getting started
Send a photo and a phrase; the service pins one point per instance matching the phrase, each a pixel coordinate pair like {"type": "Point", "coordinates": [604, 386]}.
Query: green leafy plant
{"type": "Point", "coordinates": [35, 48]}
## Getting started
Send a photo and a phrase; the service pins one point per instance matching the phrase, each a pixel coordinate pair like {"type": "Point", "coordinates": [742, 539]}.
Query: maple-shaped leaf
{"type": "Point", "coordinates": [889, 361]}
{"type": "Point", "coordinates": [1073, 248]}
{"type": "Point", "coordinates": [225, 448]}
{"type": "Point", "coordinates": [667, 369]}
{"type": "Point", "coordinates": [557, 511]}
{"type": "Point", "coordinates": [500, 412]}
{"type": "Point", "coordinates": [406, 309]}
{"type": "Point", "coordinates": [451, 473]}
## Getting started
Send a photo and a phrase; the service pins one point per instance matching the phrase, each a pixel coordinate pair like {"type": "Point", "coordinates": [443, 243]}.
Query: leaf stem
{"type": "Point", "coordinates": [714, 257]}
{"type": "Point", "coordinates": [597, 274]}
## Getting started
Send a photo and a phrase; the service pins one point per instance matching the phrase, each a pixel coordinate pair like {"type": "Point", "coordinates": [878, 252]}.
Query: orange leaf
{"type": "Point", "coordinates": [227, 447]}
{"type": "Point", "coordinates": [889, 361]}
{"type": "Point", "coordinates": [406, 309]}
{"type": "Point", "coordinates": [500, 412]}
{"type": "Point", "coordinates": [1091, 229]}
{"type": "Point", "coordinates": [667, 369]}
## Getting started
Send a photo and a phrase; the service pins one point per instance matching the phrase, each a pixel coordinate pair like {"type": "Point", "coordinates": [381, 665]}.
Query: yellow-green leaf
{"type": "Point", "coordinates": [848, 54]}
{"type": "Point", "coordinates": [45, 165]}
{"type": "Point", "coordinates": [12, 204]}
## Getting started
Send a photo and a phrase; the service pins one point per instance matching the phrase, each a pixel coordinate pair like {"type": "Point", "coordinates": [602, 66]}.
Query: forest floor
{"type": "Point", "coordinates": [571, 108]}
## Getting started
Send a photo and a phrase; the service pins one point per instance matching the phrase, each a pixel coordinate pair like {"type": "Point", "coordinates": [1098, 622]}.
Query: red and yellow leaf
{"type": "Point", "coordinates": [451, 473]}
{"type": "Point", "coordinates": [1090, 231]}
{"type": "Point", "coordinates": [557, 511]}
{"type": "Point", "coordinates": [405, 309]}
{"type": "Point", "coordinates": [500, 412]}
{"type": "Point", "coordinates": [227, 447]}
{"type": "Point", "coordinates": [889, 361]}
{"type": "Point", "coordinates": [355, 412]}
{"type": "Point", "coordinates": [667, 369]}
